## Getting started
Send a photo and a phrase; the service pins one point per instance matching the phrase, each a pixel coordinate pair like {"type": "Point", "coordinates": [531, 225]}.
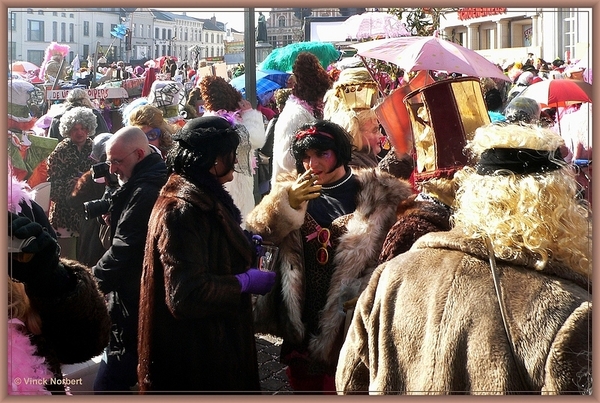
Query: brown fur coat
{"type": "Point", "coordinates": [195, 327]}
{"type": "Point", "coordinates": [280, 311]}
{"type": "Point", "coordinates": [429, 322]}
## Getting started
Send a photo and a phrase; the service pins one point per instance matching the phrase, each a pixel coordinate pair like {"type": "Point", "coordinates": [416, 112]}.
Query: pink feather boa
{"type": "Point", "coordinates": [27, 372]}
{"type": "Point", "coordinates": [18, 191]}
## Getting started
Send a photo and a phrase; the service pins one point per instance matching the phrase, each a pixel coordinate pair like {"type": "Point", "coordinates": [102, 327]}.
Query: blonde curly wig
{"type": "Point", "coordinates": [533, 213]}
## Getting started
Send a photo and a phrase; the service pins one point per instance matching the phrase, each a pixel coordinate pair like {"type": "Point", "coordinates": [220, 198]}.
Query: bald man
{"type": "Point", "coordinates": [142, 173]}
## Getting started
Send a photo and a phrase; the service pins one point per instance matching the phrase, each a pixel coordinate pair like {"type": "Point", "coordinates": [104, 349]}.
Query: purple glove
{"type": "Point", "coordinates": [255, 281]}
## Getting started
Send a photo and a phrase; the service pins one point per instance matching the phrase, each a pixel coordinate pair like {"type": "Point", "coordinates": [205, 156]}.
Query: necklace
{"type": "Point", "coordinates": [338, 185]}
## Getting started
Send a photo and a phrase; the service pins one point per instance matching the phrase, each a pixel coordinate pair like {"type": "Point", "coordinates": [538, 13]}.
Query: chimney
{"type": "Point", "coordinates": [214, 20]}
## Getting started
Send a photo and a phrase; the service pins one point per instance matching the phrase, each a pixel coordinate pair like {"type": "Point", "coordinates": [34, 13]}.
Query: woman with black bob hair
{"type": "Point", "coordinates": [196, 332]}
{"type": "Point", "coordinates": [329, 222]}
{"type": "Point", "coordinates": [330, 136]}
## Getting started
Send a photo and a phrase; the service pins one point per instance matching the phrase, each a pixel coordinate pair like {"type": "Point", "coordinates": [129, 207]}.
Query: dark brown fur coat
{"type": "Point", "coordinates": [195, 326]}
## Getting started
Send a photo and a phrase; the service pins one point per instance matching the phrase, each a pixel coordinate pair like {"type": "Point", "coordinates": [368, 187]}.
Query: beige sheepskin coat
{"type": "Point", "coordinates": [429, 323]}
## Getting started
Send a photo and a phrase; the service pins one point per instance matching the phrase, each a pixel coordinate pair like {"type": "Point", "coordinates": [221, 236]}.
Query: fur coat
{"type": "Point", "coordinates": [280, 311]}
{"type": "Point", "coordinates": [196, 331]}
{"type": "Point", "coordinates": [75, 324]}
{"type": "Point", "coordinates": [415, 219]}
{"type": "Point", "coordinates": [429, 322]}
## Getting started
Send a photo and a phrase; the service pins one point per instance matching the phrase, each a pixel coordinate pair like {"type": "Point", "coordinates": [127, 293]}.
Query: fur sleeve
{"type": "Point", "coordinates": [569, 364]}
{"type": "Point", "coordinates": [353, 368]}
{"type": "Point", "coordinates": [273, 218]}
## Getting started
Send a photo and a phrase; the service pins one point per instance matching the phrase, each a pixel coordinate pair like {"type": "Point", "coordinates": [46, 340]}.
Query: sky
{"type": "Point", "coordinates": [234, 17]}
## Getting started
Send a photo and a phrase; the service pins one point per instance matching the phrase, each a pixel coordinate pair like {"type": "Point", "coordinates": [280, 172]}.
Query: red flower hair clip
{"type": "Point", "coordinates": [311, 131]}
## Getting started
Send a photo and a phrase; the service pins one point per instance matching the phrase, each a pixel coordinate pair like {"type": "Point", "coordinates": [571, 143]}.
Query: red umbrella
{"type": "Point", "coordinates": [559, 92]}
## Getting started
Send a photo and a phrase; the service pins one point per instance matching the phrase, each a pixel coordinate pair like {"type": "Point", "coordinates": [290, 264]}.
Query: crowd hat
{"type": "Point", "coordinates": [444, 116]}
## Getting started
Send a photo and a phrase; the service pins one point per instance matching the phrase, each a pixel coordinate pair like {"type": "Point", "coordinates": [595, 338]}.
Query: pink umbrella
{"type": "Point", "coordinates": [432, 53]}
{"type": "Point", "coordinates": [374, 24]}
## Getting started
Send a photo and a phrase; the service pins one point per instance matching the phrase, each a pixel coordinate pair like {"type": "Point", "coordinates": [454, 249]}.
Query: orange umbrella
{"type": "Point", "coordinates": [23, 67]}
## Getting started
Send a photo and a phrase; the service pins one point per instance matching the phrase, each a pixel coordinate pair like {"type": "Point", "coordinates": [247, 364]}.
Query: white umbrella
{"type": "Point", "coordinates": [374, 24]}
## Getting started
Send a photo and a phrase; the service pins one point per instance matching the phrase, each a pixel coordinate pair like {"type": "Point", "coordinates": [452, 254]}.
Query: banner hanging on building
{"type": "Point", "coordinates": [468, 13]}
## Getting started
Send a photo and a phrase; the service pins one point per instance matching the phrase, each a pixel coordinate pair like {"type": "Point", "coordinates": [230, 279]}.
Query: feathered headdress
{"type": "Point", "coordinates": [53, 49]}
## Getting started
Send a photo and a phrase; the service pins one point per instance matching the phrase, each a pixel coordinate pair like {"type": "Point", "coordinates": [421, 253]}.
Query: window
{"type": "Point", "coordinates": [35, 56]}
{"type": "Point", "coordinates": [212, 39]}
{"type": "Point", "coordinates": [164, 33]}
{"type": "Point", "coordinates": [40, 12]}
{"type": "Point", "coordinates": [281, 21]}
{"type": "Point", "coordinates": [71, 32]}
{"type": "Point", "coordinates": [100, 29]}
{"type": "Point", "coordinates": [55, 31]}
{"type": "Point", "coordinates": [71, 15]}
{"type": "Point", "coordinates": [206, 37]}
{"type": "Point", "coordinates": [570, 32]}
{"type": "Point", "coordinates": [149, 31]}
{"type": "Point", "coordinates": [13, 21]}
{"type": "Point", "coordinates": [156, 33]}
{"type": "Point", "coordinates": [55, 13]}
{"type": "Point", "coordinates": [86, 51]}
{"type": "Point", "coordinates": [63, 32]}
{"type": "Point", "coordinates": [35, 31]}
{"type": "Point", "coordinates": [30, 11]}
{"type": "Point", "coordinates": [12, 51]}
{"type": "Point", "coordinates": [64, 15]}
{"type": "Point", "coordinates": [86, 28]}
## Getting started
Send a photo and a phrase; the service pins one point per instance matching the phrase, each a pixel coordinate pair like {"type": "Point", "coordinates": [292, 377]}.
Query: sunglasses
{"type": "Point", "coordinates": [323, 237]}
{"type": "Point", "coordinates": [153, 134]}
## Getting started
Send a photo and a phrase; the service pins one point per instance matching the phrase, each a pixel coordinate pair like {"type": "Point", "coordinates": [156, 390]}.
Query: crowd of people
{"type": "Point", "coordinates": [462, 265]}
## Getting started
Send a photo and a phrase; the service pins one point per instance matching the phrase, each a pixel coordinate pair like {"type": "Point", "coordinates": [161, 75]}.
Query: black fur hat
{"type": "Point", "coordinates": [200, 141]}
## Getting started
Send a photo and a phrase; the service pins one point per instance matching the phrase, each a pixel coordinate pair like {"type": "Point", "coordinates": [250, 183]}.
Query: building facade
{"type": "Point", "coordinates": [509, 34]}
{"type": "Point", "coordinates": [284, 26]}
{"type": "Point", "coordinates": [152, 33]}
